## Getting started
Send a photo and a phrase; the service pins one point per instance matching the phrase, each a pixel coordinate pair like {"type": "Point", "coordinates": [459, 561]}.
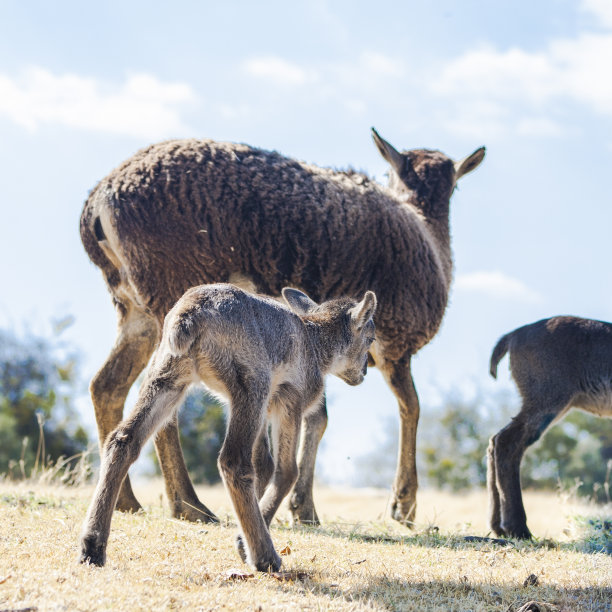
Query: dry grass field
{"type": "Point", "coordinates": [358, 560]}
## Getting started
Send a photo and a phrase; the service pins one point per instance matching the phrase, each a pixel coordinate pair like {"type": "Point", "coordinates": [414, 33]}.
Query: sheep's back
{"type": "Point", "coordinates": [189, 212]}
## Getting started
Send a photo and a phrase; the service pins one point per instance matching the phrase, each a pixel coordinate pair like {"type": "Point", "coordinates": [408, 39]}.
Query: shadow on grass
{"type": "Point", "coordinates": [592, 535]}
{"type": "Point", "coordinates": [461, 594]}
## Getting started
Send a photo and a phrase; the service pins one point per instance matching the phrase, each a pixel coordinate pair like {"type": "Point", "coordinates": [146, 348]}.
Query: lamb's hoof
{"type": "Point", "coordinates": [193, 511]}
{"type": "Point", "coordinates": [404, 512]}
{"type": "Point", "coordinates": [303, 511]}
{"type": "Point", "coordinates": [92, 551]}
{"type": "Point", "coordinates": [240, 547]}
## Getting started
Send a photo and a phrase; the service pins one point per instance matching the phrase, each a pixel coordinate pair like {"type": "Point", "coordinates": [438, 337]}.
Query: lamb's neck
{"type": "Point", "coordinates": [318, 346]}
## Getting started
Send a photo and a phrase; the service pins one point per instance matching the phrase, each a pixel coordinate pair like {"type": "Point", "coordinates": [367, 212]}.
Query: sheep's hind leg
{"type": "Point", "coordinates": [136, 339]}
{"type": "Point", "coordinates": [301, 502]}
{"type": "Point", "coordinates": [184, 502]}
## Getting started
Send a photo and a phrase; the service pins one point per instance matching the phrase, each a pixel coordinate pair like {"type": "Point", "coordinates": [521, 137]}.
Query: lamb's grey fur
{"type": "Point", "coordinates": [557, 364]}
{"type": "Point", "coordinates": [186, 212]}
{"type": "Point", "coordinates": [269, 361]}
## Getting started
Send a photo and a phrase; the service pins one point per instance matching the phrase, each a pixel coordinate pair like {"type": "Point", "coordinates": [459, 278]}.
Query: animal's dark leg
{"type": "Point", "coordinates": [136, 338]}
{"type": "Point", "coordinates": [399, 378]}
{"type": "Point", "coordinates": [245, 422]}
{"type": "Point", "coordinates": [184, 502]}
{"type": "Point", "coordinates": [494, 502]}
{"type": "Point", "coordinates": [509, 446]}
{"type": "Point", "coordinates": [301, 502]}
{"type": "Point", "coordinates": [156, 401]}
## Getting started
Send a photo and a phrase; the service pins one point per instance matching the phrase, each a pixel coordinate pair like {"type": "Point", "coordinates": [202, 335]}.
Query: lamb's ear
{"type": "Point", "coordinates": [364, 311]}
{"type": "Point", "coordinates": [388, 151]}
{"type": "Point", "coordinates": [469, 163]}
{"type": "Point", "coordinates": [298, 301]}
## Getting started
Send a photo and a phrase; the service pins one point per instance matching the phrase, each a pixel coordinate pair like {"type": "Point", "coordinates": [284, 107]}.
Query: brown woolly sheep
{"type": "Point", "coordinates": [186, 212]}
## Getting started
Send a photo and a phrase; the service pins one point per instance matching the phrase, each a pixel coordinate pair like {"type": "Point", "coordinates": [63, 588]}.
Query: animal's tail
{"type": "Point", "coordinates": [181, 335]}
{"type": "Point", "coordinates": [501, 348]}
{"type": "Point", "coordinates": [92, 235]}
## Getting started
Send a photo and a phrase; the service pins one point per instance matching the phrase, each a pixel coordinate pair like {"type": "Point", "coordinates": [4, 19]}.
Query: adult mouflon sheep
{"type": "Point", "coordinates": [186, 212]}
{"type": "Point", "coordinates": [557, 364]}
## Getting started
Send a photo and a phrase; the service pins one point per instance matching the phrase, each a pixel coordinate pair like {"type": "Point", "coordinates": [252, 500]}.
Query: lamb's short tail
{"type": "Point", "coordinates": [501, 348]}
{"type": "Point", "coordinates": [182, 334]}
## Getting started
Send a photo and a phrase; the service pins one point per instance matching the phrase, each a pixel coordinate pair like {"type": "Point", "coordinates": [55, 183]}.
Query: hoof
{"type": "Point", "coordinates": [193, 511]}
{"type": "Point", "coordinates": [404, 512]}
{"type": "Point", "coordinates": [303, 511]}
{"type": "Point", "coordinates": [270, 562]}
{"type": "Point", "coordinates": [127, 502]}
{"type": "Point", "coordinates": [92, 551]}
{"type": "Point", "coordinates": [520, 532]}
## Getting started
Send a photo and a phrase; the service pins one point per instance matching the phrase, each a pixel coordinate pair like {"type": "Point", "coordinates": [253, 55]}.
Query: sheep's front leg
{"type": "Point", "coordinates": [301, 503]}
{"type": "Point", "coordinates": [159, 397]}
{"type": "Point", "coordinates": [399, 377]}
{"type": "Point", "coordinates": [246, 420]}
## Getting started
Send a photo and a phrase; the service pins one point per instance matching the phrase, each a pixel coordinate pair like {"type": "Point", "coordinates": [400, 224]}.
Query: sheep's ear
{"type": "Point", "coordinates": [298, 301]}
{"type": "Point", "coordinates": [469, 163]}
{"type": "Point", "coordinates": [364, 311]}
{"type": "Point", "coordinates": [394, 157]}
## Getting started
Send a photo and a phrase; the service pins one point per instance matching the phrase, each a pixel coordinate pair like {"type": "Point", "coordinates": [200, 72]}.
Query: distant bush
{"type": "Point", "coordinates": [38, 379]}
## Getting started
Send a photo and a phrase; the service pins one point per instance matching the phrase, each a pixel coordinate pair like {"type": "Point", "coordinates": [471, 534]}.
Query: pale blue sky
{"type": "Point", "coordinates": [84, 85]}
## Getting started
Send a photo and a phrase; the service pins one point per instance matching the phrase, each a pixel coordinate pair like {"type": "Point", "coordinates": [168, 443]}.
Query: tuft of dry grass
{"type": "Point", "coordinates": [358, 560]}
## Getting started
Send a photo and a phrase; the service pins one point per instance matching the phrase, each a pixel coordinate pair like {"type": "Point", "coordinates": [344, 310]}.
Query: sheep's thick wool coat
{"type": "Point", "coordinates": [186, 212]}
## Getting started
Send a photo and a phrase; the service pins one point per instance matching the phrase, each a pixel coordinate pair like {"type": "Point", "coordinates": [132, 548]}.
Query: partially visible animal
{"type": "Point", "coordinates": [269, 361]}
{"type": "Point", "coordinates": [186, 212]}
{"type": "Point", "coordinates": [557, 364]}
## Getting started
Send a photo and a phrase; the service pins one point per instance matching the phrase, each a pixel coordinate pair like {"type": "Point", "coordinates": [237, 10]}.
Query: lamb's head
{"type": "Point", "coordinates": [427, 178]}
{"type": "Point", "coordinates": [345, 331]}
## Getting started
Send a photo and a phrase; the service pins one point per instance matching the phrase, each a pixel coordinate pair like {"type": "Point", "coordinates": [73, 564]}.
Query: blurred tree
{"type": "Point", "coordinates": [453, 439]}
{"type": "Point", "coordinates": [37, 391]}
{"type": "Point", "coordinates": [202, 429]}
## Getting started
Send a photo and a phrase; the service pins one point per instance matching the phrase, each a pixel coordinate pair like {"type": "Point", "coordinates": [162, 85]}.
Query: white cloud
{"type": "Point", "coordinates": [278, 70]}
{"type": "Point", "coordinates": [600, 9]}
{"type": "Point", "coordinates": [142, 106]}
{"type": "Point", "coordinates": [497, 285]}
{"type": "Point", "coordinates": [522, 90]}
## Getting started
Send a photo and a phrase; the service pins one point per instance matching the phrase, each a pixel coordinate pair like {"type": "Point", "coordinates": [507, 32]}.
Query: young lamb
{"type": "Point", "coordinates": [187, 212]}
{"type": "Point", "coordinates": [269, 361]}
{"type": "Point", "coordinates": [557, 364]}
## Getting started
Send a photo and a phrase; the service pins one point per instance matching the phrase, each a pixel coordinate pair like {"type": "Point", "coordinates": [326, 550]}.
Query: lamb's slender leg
{"type": "Point", "coordinates": [184, 502]}
{"type": "Point", "coordinates": [301, 503]}
{"type": "Point", "coordinates": [246, 419]}
{"type": "Point", "coordinates": [136, 338]}
{"type": "Point", "coordinates": [399, 378]}
{"type": "Point", "coordinates": [158, 399]}
{"type": "Point", "coordinates": [510, 444]}
{"type": "Point", "coordinates": [264, 464]}
{"type": "Point", "coordinates": [493, 492]}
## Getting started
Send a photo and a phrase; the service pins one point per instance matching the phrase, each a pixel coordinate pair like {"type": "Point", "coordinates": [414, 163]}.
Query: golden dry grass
{"type": "Point", "coordinates": [358, 560]}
